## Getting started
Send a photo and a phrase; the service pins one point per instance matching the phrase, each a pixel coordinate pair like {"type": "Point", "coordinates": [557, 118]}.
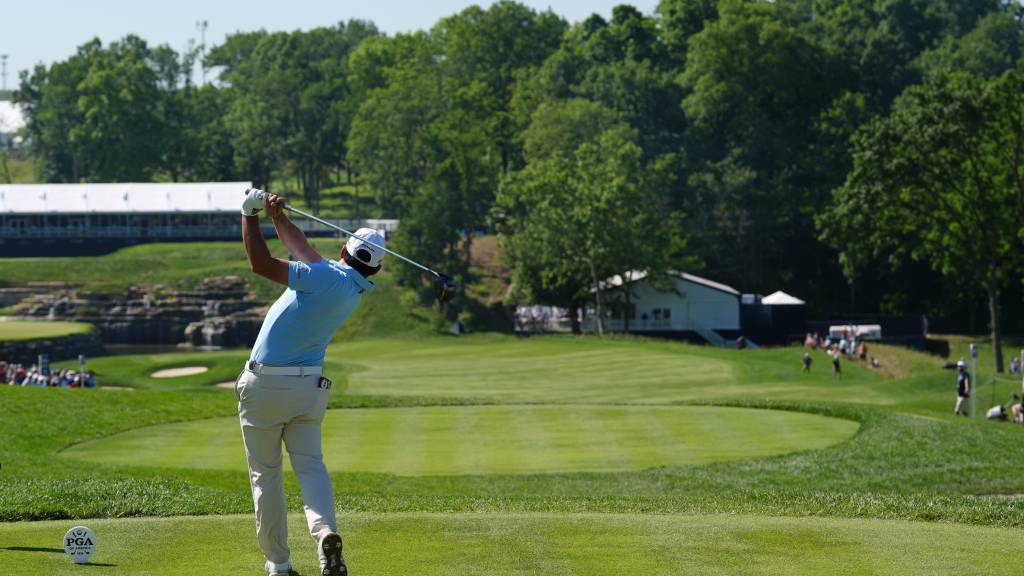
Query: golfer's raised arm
{"type": "Point", "coordinates": [289, 233]}
{"type": "Point", "coordinates": [260, 259]}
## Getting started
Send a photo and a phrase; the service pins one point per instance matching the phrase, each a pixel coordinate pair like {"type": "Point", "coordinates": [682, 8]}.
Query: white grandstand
{"type": "Point", "coordinates": [51, 219]}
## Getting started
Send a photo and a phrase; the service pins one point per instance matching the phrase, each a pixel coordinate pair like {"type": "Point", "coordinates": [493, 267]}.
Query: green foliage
{"type": "Point", "coordinates": [290, 103]}
{"type": "Point", "coordinates": [570, 221]}
{"type": "Point", "coordinates": [756, 86]}
{"type": "Point", "coordinates": [744, 113]}
{"type": "Point", "coordinates": [941, 180]}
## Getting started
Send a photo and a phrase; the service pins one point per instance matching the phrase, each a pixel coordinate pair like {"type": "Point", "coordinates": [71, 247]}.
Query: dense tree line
{"type": "Point", "coordinates": [864, 154]}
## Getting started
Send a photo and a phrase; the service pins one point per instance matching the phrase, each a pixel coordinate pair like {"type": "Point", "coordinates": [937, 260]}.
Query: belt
{"type": "Point", "coordinates": [257, 368]}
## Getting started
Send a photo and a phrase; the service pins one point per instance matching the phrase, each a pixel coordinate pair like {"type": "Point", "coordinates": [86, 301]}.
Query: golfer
{"type": "Point", "coordinates": [963, 388]}
{"type": "Point", "coordinates": [282, 393]}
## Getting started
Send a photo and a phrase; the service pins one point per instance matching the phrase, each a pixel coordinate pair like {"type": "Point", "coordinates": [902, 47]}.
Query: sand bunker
{"type": "Point", "coordinates": [176, 372]}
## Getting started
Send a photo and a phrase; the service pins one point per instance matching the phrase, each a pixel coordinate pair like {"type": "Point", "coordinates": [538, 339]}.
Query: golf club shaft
{"type": "Point", "coordinates": [290, 208]}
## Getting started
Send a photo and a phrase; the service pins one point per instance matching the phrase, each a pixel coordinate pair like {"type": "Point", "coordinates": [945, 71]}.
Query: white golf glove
{"type": "Point", "coordinates": [255, 200]}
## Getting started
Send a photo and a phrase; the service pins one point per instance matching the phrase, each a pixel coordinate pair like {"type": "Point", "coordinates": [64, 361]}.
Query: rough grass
{"type": "Point", "coordinates": [21, 171]}
{"type": "Point", "coordinates": [540, 544]}
{"type": "Point", "coordinates": [17, 330]}
{"type": "Point", "coordinates": [495, 439]}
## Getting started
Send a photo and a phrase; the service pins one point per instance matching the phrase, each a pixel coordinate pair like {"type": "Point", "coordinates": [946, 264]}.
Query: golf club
{"type": "Point", "coordinates": [444, 286]}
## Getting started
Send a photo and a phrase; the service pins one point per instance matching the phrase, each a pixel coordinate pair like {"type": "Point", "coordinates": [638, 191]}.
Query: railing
{"type": "Point", "coordinates": [162, 230]}
{"type": "Point", "coordinates": [619, 325]}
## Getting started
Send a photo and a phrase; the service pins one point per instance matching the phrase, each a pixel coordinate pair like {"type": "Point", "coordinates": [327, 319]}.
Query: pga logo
{"type": "Point", "coordinates": [80, 544]}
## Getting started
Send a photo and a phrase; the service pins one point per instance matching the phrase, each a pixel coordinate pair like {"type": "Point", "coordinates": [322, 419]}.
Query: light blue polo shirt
{"type": "Point", "coordinates": [319, 299]}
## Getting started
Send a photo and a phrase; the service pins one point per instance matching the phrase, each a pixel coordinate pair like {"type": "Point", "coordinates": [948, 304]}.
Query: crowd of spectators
{"type": "Point", "coordinates": [18, 375]}
{"type": "Point", "coordinates": [850, 345]}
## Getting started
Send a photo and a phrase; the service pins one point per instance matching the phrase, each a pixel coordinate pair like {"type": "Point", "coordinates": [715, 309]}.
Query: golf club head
{"type": "Point", "coordinates": [444, 288]}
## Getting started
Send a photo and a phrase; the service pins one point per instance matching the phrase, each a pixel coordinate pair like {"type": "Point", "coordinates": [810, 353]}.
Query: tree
{"type": "Point", "coordinates": [389, 136]}
{"type": "Point", "coordinates": [994, 46]}
{"type": "Point", "coordinates": [681, 19]}
{"type": "Point", "coordinates": [624, 65]}
{"type": "Point", "coordinates": [289, 109]}
{"type": "Point", "coordinates": [941, 180]}
{"type": "Point", "coordinates": [96, 116]}
{"type": "Point", "coordinates": [572, 220]}
{"type": "Point", "coordinates": [880, 41]}
{"type": "Point", "coordinates": [488, 47]}
{"type": "Point", "coordinates": [756, 87]}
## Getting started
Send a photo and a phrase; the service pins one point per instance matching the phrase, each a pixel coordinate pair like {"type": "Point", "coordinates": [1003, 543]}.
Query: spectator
{"type": "Point", "coordinates": [836, 371]}
{"type": "Point", "coordinates": [90, 381]}
{"type": "Point", "coordinates": [963, 388]}
{"type": "Point", "coordinates": [807, 362]}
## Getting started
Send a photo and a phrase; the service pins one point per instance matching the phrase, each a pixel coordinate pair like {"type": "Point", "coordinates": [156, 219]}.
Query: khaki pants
{"type": "Point", "coordinates": [273, 409]}
{"type": "Point", "coordinates": [961, 405]}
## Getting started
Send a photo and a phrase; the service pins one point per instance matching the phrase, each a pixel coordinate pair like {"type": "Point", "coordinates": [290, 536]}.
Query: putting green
{"type": "Point", "coordinates": [530, 544]}
{"type": "Point", "coordinates": [16, 330]}
{"type": "Point", "coordinates": [496, 439]}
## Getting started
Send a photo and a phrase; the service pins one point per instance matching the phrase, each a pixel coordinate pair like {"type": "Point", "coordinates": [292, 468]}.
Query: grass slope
{"type": "Point", "coordinates": [541, 544]}
{"type": "Point", "coordinates": [17, 330]}
{"type": "Point", "coordinates": [496, 439]}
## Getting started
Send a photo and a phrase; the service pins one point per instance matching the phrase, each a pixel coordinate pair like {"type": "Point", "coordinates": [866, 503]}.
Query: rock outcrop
{"type": "Point", "coordinates": [61, 348]}
{"type": "Point", "coordinates": [220, 312]}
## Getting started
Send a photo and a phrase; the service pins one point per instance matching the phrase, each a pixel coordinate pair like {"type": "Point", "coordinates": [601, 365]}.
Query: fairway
{"type": "Point", "coordinates": [495, 439]}
{"type": "Point", "coordinates": [566, 369]}
{"type": "Point", "coordinates": [16, 330]}
{"type": "Point", "coordinates": [534, 544]}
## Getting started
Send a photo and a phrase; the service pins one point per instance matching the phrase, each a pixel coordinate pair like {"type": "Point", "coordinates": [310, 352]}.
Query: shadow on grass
{"type": "Point", "coordinates": [54, 551]}
{"type": "Point", "coordinates": [32, 549]}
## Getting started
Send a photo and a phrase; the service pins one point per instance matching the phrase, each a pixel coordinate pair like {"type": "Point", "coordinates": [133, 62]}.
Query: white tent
{"type": "Point", "coordinates": [780, 298]}
{"type": "Point", "coordinates": [204, 197]}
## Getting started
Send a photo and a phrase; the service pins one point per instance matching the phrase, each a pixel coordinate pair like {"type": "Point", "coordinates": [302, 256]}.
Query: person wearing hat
{"type": "Point", "coordinates": [963, 388]}
{"type": "Point", "coordinates": [282, 392]}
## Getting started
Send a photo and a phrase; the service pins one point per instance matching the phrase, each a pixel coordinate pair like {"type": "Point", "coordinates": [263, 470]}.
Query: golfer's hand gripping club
{"type": "Point", "coordinates": [444, 287]}
{"type": "Point", "coordinates": [255, 200]}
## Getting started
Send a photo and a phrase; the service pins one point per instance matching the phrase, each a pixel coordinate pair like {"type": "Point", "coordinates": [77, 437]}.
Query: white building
{"type": "Point", "coordinates": [688, 304]}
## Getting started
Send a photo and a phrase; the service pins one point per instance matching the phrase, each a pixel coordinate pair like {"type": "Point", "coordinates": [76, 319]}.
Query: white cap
{"type": "Point", "coordinates": [366, 252]}
{"type": "Point", "coordinates": [961, 363]}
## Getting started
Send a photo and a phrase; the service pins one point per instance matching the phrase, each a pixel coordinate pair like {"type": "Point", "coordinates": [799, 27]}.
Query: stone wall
{"type": "Point", "coordinates": [62, 348]}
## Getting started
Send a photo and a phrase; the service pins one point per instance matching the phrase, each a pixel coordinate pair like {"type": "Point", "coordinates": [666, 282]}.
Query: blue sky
{"type": "Point", "coordinates": [33, 31]}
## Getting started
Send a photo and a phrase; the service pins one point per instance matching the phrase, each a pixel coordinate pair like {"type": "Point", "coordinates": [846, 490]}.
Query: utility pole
{"type": "Point", "coordinates": [3, 71]}
{"type": "Point", "coordinates": [974, 378]}
{"type": "Point", "coordinates": [202, 25]}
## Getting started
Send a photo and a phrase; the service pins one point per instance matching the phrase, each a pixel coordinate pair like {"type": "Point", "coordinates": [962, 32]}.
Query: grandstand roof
{"type": "Point", "coordinates": [201, 197]}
